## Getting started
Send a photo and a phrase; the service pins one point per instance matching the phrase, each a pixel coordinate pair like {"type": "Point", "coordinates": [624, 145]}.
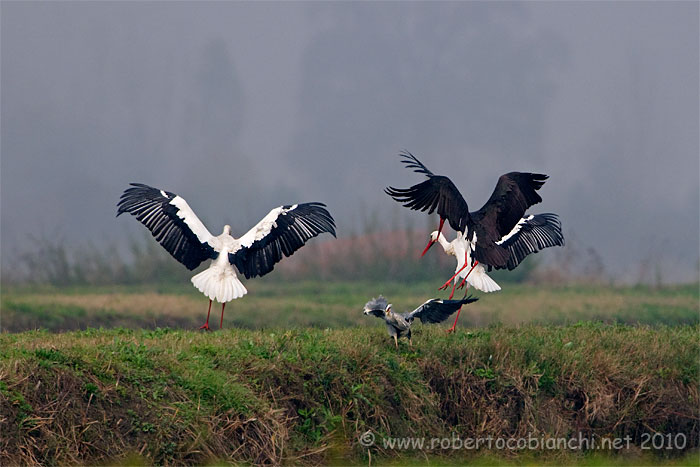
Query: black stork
{"type": "Point", "coordinates": [399, 324]}
{"type": "Point", "coordinates": [498, 235]}
{"type": "Point", "coordinates": [177, 228]}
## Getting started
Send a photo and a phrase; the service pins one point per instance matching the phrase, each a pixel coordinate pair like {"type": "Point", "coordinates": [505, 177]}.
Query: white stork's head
{"type": "Point", "coordinates": [227, 229]}
{"type": "Point", "coordinates": [438, 237]}
{"type": "Point", "coordinates": [434, 237]}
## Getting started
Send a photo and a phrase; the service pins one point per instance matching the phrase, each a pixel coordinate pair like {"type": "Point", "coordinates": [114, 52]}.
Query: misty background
{"type": "Point", "coordinates": [241, 107]}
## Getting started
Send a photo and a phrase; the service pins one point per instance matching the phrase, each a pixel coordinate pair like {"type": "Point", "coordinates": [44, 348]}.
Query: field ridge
{"type": "Point", "coordinates": [305, 395]}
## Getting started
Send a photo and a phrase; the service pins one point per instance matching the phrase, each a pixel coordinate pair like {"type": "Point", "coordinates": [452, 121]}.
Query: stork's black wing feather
{"type": "Point", "coordinates": [282, 232]}
{"type": "Point", "coordinates": [515, 192]}
{"type": "Point", "coordinates": [412, 162]}
{"type": "Point", "coordinates": [436, 193]}
{"type": "Point", "coordinates": [171, 221]}
{"type": "Point", "coordinates": [532, 234]}
{"type": "Point", "coordinates": [437, 310]}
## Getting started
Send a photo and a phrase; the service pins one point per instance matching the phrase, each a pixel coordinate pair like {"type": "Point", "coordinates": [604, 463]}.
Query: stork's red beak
{"type": "Point", "coordinates": [430, 243]}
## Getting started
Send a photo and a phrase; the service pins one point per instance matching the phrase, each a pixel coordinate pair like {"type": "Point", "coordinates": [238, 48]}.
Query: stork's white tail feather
{"type": "Point", "coordinates": [219, 283]}
{"type": "Point", "coordinates": [481, 281]}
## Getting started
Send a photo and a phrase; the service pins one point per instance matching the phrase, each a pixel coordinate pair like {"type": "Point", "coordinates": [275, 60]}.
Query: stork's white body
{"type": "Point", "coordinates": [177, 228]}
{"type": "Point", "coordinates": [461, 248]}
{"type": "Point", "coordinates": [219, 281]}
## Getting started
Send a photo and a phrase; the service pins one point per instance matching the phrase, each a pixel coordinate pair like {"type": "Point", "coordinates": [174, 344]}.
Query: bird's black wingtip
{"type": "Point", "coordinates": [399, 194]}
{"type": "Point", "coordinates": [412, 162]}
{"type": "Point", "coordinates": [538, 180]}
{"type": "Point", "coordinates": [322, 209]}
{"type": "Point", "coordinates": [470, 299]}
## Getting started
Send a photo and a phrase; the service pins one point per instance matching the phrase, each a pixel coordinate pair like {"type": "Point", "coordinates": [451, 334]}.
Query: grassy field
{"type": "Point", "coordinates": [299, 375]}
{"type": "Point", "coordinates": [335, 305]}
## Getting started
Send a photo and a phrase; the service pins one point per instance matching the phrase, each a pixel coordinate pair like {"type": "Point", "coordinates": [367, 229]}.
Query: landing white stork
{"type": "Point", "coordinates": [497, 235]}
{"type": "Point", "coordinates": [459, 248]}
{"type": "Point", "coordinates": [531, 234]}
{"type": "Point", "coordinates": [177, 228]}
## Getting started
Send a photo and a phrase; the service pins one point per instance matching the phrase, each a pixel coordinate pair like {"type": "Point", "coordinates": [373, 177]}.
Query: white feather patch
{"type": "Point", "coordinates": [263, 228]}
{"type": "Point", "coordinates": [481, 281]}
{"type": "Point", "coordinates": [516, 229]}
{"type": "Point", "coordinates": [190, 219]}
{"type": "Point", "coordinates": [219, 282]}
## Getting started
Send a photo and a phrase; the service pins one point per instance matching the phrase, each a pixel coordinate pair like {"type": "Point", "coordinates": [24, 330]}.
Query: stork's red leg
{"type": "Point", "coordinates": [206, 325]}
{"type": "Point", "coordinates": [221, 324]}
{"type": "Point", "coordinates": [464, 281]}
{"type": "Point", "coordinates": [452, 294]}
{"type": "Point", "coordinates": [458, 312]}
{"type": "Point", "coordinates": [452, 329]}
{"type": "Point", "coordinates": [447, 284]}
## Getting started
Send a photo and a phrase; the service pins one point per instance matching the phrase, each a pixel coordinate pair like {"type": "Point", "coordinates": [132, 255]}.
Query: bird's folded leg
{"type": "Point", "coordinates": [464, 281]}
{"type": "Point", "coordinates": [446, 284]}
{"type": "Point", "coordinates": [396, 342]}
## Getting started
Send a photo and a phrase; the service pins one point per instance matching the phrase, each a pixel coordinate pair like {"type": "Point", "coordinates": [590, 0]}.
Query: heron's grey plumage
{"type": "Point", "coordinates": [376, 307]}
{"type": "Point", "coordinates": [399, 324]}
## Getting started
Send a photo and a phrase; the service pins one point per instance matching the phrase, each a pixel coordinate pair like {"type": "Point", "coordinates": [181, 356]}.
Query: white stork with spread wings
{"type": "Point", "coordinates": [178, 229]}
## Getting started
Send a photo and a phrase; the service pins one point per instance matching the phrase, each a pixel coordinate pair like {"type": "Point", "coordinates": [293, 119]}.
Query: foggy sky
{"type": "Point", "coordinates": [241, 107]}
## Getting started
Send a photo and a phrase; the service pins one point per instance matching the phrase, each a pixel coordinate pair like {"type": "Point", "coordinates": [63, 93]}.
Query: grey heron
{"type": "Point", "coordinates": [398, 325]}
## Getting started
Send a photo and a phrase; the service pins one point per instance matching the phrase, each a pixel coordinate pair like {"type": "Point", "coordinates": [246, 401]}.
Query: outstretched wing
{"type": "Point", "coordinates": [171, 221]}
{"type": "Point", "coordinates": [530, 235]}
{"type": "Point", "coordinates": [376, 307]}
{"type": "Point", "coordinates": [280, 233]}
{"type": "Point", "coordinates": [437, 310]}
{"type": "Point", "coordinates": [515, 192]}
{"type": "Point", "coordinates": [436, 193]}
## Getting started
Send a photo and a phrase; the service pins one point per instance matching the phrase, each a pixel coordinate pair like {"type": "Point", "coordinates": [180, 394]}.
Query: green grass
{"type": "Point", "coordinates": [298, 374]}
{"type": "Point", "coordinates": [335, 305]}
{"type": "Point", "coordinates": [307, 395]}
